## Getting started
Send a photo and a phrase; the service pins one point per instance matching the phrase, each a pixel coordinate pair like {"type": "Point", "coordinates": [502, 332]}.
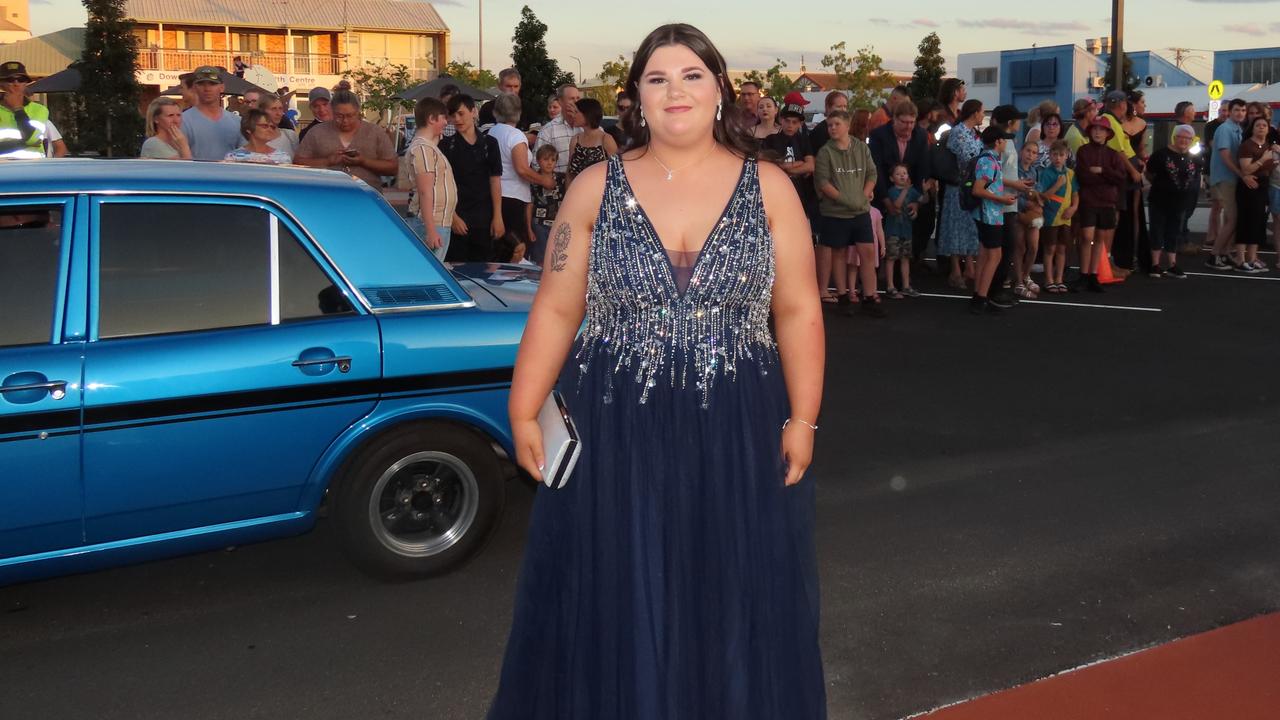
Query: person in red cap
{"type": "Point", "coordinates": [794, 153]}
{"type": "Point", "coordinates": [1102, 173]}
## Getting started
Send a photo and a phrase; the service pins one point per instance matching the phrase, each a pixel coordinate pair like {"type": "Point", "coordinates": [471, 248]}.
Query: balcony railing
{"type": "Point", "coordinates": [277, 63]}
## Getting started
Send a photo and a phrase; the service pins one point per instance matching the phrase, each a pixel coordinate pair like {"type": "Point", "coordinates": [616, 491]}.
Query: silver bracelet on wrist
{"type": "Point", "coordinates": [809, 425]}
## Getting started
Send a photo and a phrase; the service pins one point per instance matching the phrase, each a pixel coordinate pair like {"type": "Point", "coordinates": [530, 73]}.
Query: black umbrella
{"type": "Point", "coordinates": [60, 82]}
{"type": "Point", "coordinates": [234, 85]}
{"type": "Point", "coordinates": [432, 89]}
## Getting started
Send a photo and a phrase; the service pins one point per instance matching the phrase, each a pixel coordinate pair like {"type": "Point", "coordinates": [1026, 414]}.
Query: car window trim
{"type": "Point", "coordinates": [65, 204]}
{"type": "Point", "coordinates": [274, 213]}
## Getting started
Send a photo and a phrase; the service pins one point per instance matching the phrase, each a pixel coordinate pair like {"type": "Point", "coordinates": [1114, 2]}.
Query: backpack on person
{"type": "Point", "coordinates": [968, 201]}
{"type": "Point", "coordinates": [944, 163]}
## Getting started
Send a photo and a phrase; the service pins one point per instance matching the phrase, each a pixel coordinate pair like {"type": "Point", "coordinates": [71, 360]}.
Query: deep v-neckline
{"type": "Point", "coordinates": [652, 230]}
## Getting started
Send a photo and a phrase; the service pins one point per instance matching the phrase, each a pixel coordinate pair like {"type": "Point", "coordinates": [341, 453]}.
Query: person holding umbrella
{"type": "Point", "coordinates": [23, 122]}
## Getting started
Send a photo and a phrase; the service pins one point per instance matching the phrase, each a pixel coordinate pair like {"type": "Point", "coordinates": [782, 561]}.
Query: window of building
{"type": "Point", "coordinates": [206, 276]}
{"type": "Point", "coordinates": [1041, 73]}
{"type": "Point", "coordinates": [1255, 70]}
{"type": "Point", "coordinates": [194, 40]}
{"type": "Point", "coordinates": [985, 76]}
{"type": "Point", "coordinates": [30, 245]}
{"type": "Point", "coordinates": [246, 42]}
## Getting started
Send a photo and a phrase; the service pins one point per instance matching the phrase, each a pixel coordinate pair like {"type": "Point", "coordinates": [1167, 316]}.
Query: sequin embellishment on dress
{"type": "Point", "coordinates": [659, 316]}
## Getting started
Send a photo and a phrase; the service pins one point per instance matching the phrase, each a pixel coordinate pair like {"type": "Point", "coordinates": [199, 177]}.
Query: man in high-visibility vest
{"type": "Point", "coordinates": [23, 123]}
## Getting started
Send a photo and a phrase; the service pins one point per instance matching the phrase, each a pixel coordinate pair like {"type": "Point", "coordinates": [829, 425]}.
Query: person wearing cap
{"type": "Point", "coordinates": [318, 101]}
{"type": "Point", "coordinates": [1174, 174]}
{"type": "Point", "coordinates": [23, 122]}
{"type": "Point", "coordinates": [988, 188]}
{"type": "Point", "coordinates": [1102, 173]}
{"type": "Point", "coordinates": [211, 131]}
{"type": "Point", "coordinates": [795, 154]}
{"type": "Point", "coordinates": [1009, 118]}
{"type": "Point", "coordinates": [1083, 111]}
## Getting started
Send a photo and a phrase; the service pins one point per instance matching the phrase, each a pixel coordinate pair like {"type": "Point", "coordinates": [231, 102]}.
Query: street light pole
{"type": "Point", "coordinates": [481, 59]}
{"type": "Point", "coordinates": [580, 78]}
{"type": "Point", "coordinates": [1117, 43]}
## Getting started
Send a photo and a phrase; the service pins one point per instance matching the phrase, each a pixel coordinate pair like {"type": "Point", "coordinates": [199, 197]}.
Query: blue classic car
{"type": "Point", "coordinates": [200, 355]}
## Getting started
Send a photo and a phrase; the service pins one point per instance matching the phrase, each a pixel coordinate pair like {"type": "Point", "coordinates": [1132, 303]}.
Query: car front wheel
{"type": "Point", "coordinates": [419, 501]}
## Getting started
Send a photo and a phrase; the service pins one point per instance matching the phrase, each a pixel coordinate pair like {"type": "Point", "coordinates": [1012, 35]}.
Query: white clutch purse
{"type": "Point", "coordinates": [560, 443]}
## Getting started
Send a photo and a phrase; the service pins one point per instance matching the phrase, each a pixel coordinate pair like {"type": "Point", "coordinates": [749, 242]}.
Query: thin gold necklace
{"type": "Point", "coordinates": [671, 172]}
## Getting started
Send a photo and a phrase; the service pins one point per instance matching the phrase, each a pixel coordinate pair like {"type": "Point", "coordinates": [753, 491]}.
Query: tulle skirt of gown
{"type": "Point", "coordinates": [674, 578]}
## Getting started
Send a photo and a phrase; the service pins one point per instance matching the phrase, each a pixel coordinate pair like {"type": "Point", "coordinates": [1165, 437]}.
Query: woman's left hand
{"type": "Point", "coordinates": [797, 450]}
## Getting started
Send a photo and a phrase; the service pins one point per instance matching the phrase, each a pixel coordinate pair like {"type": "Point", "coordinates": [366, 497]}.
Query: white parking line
{"type": "Point", "coordinates": [1132, 308]}
{"type": "Point", "coordinates": [1232, 275]}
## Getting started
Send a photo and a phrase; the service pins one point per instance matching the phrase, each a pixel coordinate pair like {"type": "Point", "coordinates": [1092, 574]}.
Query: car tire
{"type": "Point", "coordinates": [419, 501]}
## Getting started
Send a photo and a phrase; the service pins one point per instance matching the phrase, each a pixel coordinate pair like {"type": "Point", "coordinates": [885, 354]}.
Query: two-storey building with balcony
{"type": "Point", "coordinates": [300, 43]}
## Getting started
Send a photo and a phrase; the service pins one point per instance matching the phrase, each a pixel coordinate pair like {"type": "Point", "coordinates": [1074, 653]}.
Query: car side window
{"type": "Point", "coordinates": [30, 245]}
{"type": "Point", "coordinates": [184, 267]}
{"type": "Point", "coordinates": [305, 291]}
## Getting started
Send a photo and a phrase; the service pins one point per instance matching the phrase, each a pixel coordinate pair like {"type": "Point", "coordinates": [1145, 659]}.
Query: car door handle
{"type": "Point", "coordinates": [343, 362]}
{"type": "Point", "coordinates": [57, 388]}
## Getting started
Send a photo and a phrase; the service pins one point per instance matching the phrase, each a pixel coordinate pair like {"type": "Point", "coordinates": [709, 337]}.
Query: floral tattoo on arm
{"type": "Point", "coordinates": [560, 250]}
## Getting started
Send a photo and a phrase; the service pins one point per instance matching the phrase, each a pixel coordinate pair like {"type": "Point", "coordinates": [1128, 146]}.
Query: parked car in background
{"type": "Point", "coordinates": [197, 355]}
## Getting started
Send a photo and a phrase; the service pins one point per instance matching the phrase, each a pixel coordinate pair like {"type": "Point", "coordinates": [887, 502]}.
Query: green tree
{"type": "Point", "coordinates": [863, 75]}
{"type": "Point", "coordinates": [930, 68]}
{"type": "Point", "coordinates": [108, 120]}
{"type": "Point", "coordinates": [466, 72]}
{"type": "Point", "coordinates": [615, 72]}
{"type": "Point", "coordinates": [540, 75]}
{"type": "Point", "coordinates": [1130, 79]}
{"type": "Point", "coordinates": [377, 85]}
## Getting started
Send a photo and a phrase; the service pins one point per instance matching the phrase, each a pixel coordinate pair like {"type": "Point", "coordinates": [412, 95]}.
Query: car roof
{"type": "Point", "coordinates": [137, 175]}
{"type": "Point", "coordinates": [370, 248]}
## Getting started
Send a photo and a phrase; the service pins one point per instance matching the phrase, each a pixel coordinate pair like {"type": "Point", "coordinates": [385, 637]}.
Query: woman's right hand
{"type": "Point", "coordinates": [459, 225]}
{"type": "Point", "coordinates": [528, 441]}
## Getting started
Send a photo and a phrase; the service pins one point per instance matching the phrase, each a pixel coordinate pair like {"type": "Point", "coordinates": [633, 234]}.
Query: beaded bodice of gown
{"type": "Point", "coordinates": [691, 320]}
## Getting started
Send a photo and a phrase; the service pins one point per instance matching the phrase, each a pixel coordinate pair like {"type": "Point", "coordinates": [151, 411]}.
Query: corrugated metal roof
{"type": "Point", "coordinates": [407, 15]}
{"type": "Point", "coordinates": [46, 54]}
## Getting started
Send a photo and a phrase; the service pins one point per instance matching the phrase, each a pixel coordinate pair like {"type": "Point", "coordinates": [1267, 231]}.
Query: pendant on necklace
{"type": "Point", "coordinates": [668, 176]}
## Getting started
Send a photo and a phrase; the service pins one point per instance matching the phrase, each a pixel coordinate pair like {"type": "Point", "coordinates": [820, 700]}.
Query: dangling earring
{"type": "Point", "coordinates": [718, 106]}
{"type": "Point", "coordinates": [642, 123]}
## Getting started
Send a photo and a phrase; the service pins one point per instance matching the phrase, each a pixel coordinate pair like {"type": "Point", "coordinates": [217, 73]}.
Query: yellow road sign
{"type": "Point", "coordinates": [1216, 89]}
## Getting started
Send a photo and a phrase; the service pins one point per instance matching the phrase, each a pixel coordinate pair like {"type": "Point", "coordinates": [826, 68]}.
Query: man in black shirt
{"type": "Point", "coordinates": [477, 170]}
{"type": "Point", "coordinates": [819, 135]}
{"type": "Point", "coordinates": [793, 153]}
{"type": "Point", "coordinates": [509, 81]}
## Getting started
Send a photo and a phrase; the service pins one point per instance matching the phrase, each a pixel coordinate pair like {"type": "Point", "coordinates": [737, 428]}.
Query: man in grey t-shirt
{"type": "Point", "coordinates": [211, 131]}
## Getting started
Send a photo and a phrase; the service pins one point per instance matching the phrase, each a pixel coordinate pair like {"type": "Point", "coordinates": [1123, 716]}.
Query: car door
{"type": "Point", "coordinates": [41, 508]}
{"type": "Point", "coordinates": [225, 356]}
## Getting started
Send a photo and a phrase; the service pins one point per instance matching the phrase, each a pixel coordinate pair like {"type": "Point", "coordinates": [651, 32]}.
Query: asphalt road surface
{"type": "Point", "coordinates": [1000, 499]}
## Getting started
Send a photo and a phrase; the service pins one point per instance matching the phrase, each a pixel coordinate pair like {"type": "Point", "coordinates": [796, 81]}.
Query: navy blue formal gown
{"type": "Point", "coordinates": [675, 577]}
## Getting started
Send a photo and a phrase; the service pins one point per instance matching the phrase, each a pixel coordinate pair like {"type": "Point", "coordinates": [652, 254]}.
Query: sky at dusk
{"type": "Point", "coordinates": [751, 33]}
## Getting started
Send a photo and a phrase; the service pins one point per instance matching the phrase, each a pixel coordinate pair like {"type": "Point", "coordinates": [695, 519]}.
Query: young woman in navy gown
{"type": "Point", "coordinates": [674, 578]}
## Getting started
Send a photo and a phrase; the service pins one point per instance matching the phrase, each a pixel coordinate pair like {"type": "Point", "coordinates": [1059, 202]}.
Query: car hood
{"type": "Point", "coordinates": [498, 286]}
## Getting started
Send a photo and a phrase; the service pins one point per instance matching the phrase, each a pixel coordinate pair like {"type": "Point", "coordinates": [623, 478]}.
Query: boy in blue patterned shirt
{"type": "Point", "coordinates": [899, 225]}
{"type": "Point", "coordinates": [988, 188]}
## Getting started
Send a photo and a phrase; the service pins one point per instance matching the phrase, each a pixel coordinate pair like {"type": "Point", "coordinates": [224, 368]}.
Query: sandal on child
{"type": "Point", "coordinates": [893, 294]}
{"type": "Point", "coordinates": [828, 298]}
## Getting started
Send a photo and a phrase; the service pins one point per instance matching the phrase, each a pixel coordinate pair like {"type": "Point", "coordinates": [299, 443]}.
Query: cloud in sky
{"type": "Point", "coordinates": [1029, 27]}
{"type": "Point", "coordinates": [1253, 29]}
{"type": "Point", "coordinates": [917, 23]}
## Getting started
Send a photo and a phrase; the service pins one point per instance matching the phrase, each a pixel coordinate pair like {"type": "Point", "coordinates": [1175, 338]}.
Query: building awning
{"type": "Point", "coordinates": [46, 54]}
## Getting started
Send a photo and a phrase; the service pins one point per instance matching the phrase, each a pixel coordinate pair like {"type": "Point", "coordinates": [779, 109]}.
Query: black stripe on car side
{"type": "Point", "coordinates": [260, 400]}
{"type": "Point", "coordinates": [48, 420]}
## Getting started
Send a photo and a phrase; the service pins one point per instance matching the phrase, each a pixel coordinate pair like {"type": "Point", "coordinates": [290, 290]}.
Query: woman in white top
{"type": "Point", "coordinates": [256, 129]}
{"type": "Point", "coordinates": [165, 139]}
{"type": "Point", "coordinates": [517, 174]}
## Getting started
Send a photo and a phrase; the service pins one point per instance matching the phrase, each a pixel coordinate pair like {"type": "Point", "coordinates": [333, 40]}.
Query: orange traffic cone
{"type": "Point", "coordinates": [1105, 276]}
